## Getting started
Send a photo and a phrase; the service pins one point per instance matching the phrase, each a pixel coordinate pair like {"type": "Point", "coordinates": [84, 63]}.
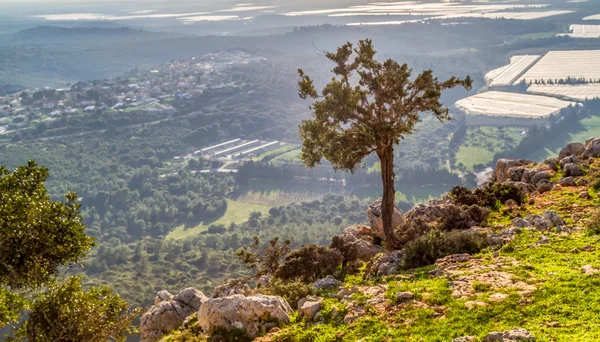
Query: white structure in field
{"type": "Point", "coordinates": [578, 92]}
{"type": "Point", "coordinates": [592, 17]}
{"type": "Point", "coordinates": [227, 152]}
{"type": "Point", "coordinates": [561, 65]}
{"type": "Point", "coordinates": [254, 150]}
{"type": "Point", "coordinates": [508, 74]}
{"type": "Point", "coordinates": [512, 105]}
{"type": "Point", "coordinates": [217, 147]}
{"type": "Point", "coordinates": [583, 31]}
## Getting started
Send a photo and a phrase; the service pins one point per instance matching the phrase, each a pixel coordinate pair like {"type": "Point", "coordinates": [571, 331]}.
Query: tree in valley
{"type": "Point", "coordinates": [368, 107]}
{"type": "Point", "coordinates": [37, 237]}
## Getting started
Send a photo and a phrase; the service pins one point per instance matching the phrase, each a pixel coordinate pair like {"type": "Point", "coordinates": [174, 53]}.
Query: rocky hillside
{"type": "Point", "coordinates": [516, 259]}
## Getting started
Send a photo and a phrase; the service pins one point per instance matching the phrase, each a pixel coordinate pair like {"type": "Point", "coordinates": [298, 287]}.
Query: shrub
{"type": "Point", "coordinates": [291, 290]}
{"type": "Point", "coordinates": [491, 195]}
{"type": "Point", "coordinates": [463, 217]}
{"type": "Point", "coordinates": [67, 313]}
{"type": "Point", "coordinates": [309, 263]}
{"type": "Point", "coordinates": [264, 260]}
{"type": "Point", "coordinates": [593, 224]}
{"type": "Point", "coordinates": [437, 244]}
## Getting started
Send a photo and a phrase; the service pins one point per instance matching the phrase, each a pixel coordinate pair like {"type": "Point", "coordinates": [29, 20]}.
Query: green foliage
{"type": "Point", "coordinates": [264, 260]}
{"type": "Point", "coordinates": [464, 217]}
{"type": "Point", "coordinates": [491, 195]}
{"type": "Point", "coordinates": [593, 224]}
{"type": "Point", "coordinates": [291, 290]}
{"type": "Point", "coordinates": [37, 235]}
{"type": "Point", "coordinates": [309, 263]}
{"type": "Point", "coordinates": [11, 305]}
{"type": "Point", "coordinates": [68, 313]}
{"type": "Point", "coordinates": [437, 244]}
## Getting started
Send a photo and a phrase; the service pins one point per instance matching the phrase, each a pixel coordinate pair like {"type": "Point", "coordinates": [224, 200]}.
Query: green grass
{"type": "Point", "coordinates": [276, 152]}
{"type": "Point", "coordinates": [410, 194]}
{"type": "Point", "coordinates": [482, 143]}
{"type": "Point", "coordinates": [589, 127]}
{"type": "Point", "coordinates": [237, 212]}
{"type": "Point", "coordinates": [539, 35]}
{"type": "Point", "coordinates": [292, 157]}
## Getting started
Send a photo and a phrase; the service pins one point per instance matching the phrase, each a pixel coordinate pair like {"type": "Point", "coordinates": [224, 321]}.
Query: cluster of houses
{"type": "Point", "coordinates": [153, 90]}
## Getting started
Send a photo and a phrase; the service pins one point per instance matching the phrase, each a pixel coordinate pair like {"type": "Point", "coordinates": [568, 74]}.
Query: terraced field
{"type": "Point", "coordinates": [508, 74]}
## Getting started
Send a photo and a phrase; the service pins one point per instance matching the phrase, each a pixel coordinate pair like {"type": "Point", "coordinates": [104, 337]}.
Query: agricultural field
{"type": "Point", "coordinates": [291, 157]}
{"type": "Point", "coordinates": [562, 65]}
{"type": "Point", "coordinates": [513, 105]}
{"type": "Point", "coordinates": [274, 193]}
{"type": "Point", "coordinates": [237, 212]}
{"type": "Point", "coordinates": [583, 31]}
{"type": "Point", "coordinates": [482, 143]}
{"type": "Point", "coordinates": [414, 194]}
{"type": "Point", "coordinates": [508, 74]}
{"type": "Point", "coordinates": [576, 92]}
{"type": "Point", "coordinates": [507, 15]}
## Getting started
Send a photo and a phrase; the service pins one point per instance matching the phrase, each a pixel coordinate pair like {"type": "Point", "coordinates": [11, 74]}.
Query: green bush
{"type": "Point", "coordinates": [593, 224]}
{"type": "Point", "coordinates": [437, 244]}
{"type": "Point", "coordinates": [464, 217]}
{"type": "Point", "coordinates": [290, 290]}
{"type": "Point", "coordinates": [309, 263]}
{"type": "Point", "coordinates": [491, 195]}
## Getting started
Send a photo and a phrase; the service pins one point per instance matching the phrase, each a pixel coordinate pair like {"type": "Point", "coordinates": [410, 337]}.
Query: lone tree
{"type": "Point", "coordinates": [368, 107]}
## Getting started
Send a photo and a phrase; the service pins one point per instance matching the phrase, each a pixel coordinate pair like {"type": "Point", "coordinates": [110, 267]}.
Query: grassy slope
{"type": "Point", "coordinates": [561, 308]}
{"type": "Point", "coordinates": [481, 143]}
{"type": "Point", "coordinates": [237, 212]}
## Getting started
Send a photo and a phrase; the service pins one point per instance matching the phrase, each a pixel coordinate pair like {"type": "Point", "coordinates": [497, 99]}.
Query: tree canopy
{"type": "Point", "coordinates": [368, 107]}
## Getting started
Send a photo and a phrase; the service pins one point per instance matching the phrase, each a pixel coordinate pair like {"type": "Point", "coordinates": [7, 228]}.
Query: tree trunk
{"type": "Point", "coordinates": [388, 203]}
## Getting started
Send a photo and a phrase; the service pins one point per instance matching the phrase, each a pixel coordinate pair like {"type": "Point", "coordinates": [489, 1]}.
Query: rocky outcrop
{"type": "Point", "coordinates": [162, 296]}
{"type": "Point", "coordinates": [592, 148]}
{"type": "Point", "coordinates": [254, 315]}
{"type": "Point", "coordinates": [232, 287]}
{"type": "Point", "coordinates": [309, 306]}
{"type": "Point", "coordinates": [170, 313]}
{"type": "Point", "coordinates": [375, 217]}
{"type": "Point", "coordinates": [356, 243]}
{"type": "Point", "coordinates": [510, 169]}
{"type": "Point", "coordinates": [515, 335]}
{"type": "Point", "coordinates": [384, 264]}
{"type": "Point", "coordinates": [327, 283]}
{"type": "Point", "coordinates": [575, 149]}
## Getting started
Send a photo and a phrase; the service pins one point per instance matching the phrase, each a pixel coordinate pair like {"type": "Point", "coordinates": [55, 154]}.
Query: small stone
{"type": "Point", "coordinates": [511, 203]}
{"type": "Point", "coordinates": [589, 270]}
{"type": "Point", "coordinates": [403, 296]}
{"type": "Point", "coordinates": [474, 303]}
{"type": "Point", "coordinates": [515, 335]}
{"type": "Point", "coordinates": [309, 306]}
{"type": "Point", "coordinates": [327, 283]}
{"type": "Point", "coordinates": [584, 195]}
{"type": "Point", "coordinates": [573, 170]}
{"type": "Point", "coordinates": [498, 297]}
{"type": "Point", "coordinates": [544, 187]}
{"type": "Point", "coordinates": [567, 181]}
{"type": "Point", "coordinates": [465, 339]}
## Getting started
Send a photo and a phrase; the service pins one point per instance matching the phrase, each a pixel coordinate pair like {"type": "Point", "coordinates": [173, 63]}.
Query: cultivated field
{"type": "Point", "coordinates": [277, 193]}
{"type": "Point", "coordinates": [506, 15]}
{"type": "Point", "coordinates": [561, 65]}
{"type": "Point", "coordinates": [508, 74]}
{"type": "Point", "coordinates": [583, 31]}
{"type": "Point", "coordinates": [568, 91]}
{"type": "Point", "coordinates": [504, 104]}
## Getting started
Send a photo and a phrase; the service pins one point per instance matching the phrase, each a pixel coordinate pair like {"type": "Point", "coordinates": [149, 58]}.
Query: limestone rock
{"type": "Point", "coordinates": [553, 217]}
{"type": "Point", "coordinates": [169, 314]}
{"type": "Point", "coordinates": [327, 283]}
{"type": "Point", "coordinates": [465, 339]}
{"type": "Point", "coordinates": [375, 217]}
{"type": "Point", "coordinates": [543, 187]}
{"type": "Point", "coordinates": [404, 296]}
{"type": "Point", "coordinates": [503, 236]}
{"type": "Point", "coordinates": [515, 335]}
{"type": "Point", "coordinates": [569, 160]}
{"type": "Point", "coordinates": [162, 296]}
{"type": "Point", "coordinates": [503, 169]}
{"type": "Point", "coordinates": [573, 170]}
{"type": "Point", "coordinates": [255, 314]}
{"type": "Point", "coordinates": [576, 149]}
{"type": "Point", "coordinates": [384, 264]}
{"type": "Point", "coordinates": [309, 306]}
{"type": "Point", "coordinates": [592, 149]}
{"type": "Point", "coordinates": [356, 243]}
{"type": "Point", "coordinates": [232, 287]}
{"type": "Point", "coordinates": [567, 181]}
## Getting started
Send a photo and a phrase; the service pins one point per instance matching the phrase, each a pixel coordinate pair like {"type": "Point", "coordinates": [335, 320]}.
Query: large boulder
{"type": "Point", "coordinates": [170, 313]}
{"type": "Point", "coordinates": [504, 172]}
{"type": "Point", "coordinates": [375, 217]}
{"type": "Point", "coordinates": [309, 306]}
{"type": "Point", "coordinates": [514, 335]}
{"type": "Point", "coordinates": [255, 314]}
{"type": "Point", "coordinates": [573, 170]}
{"type": "Point", "coordinates": [356, 243]}
{"type": "Point", "coordinates": [592, 148]}
{"type": "Point", "coordinates": [576, 149]}
{"type": "Point", "coordinates": [232, 287]}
